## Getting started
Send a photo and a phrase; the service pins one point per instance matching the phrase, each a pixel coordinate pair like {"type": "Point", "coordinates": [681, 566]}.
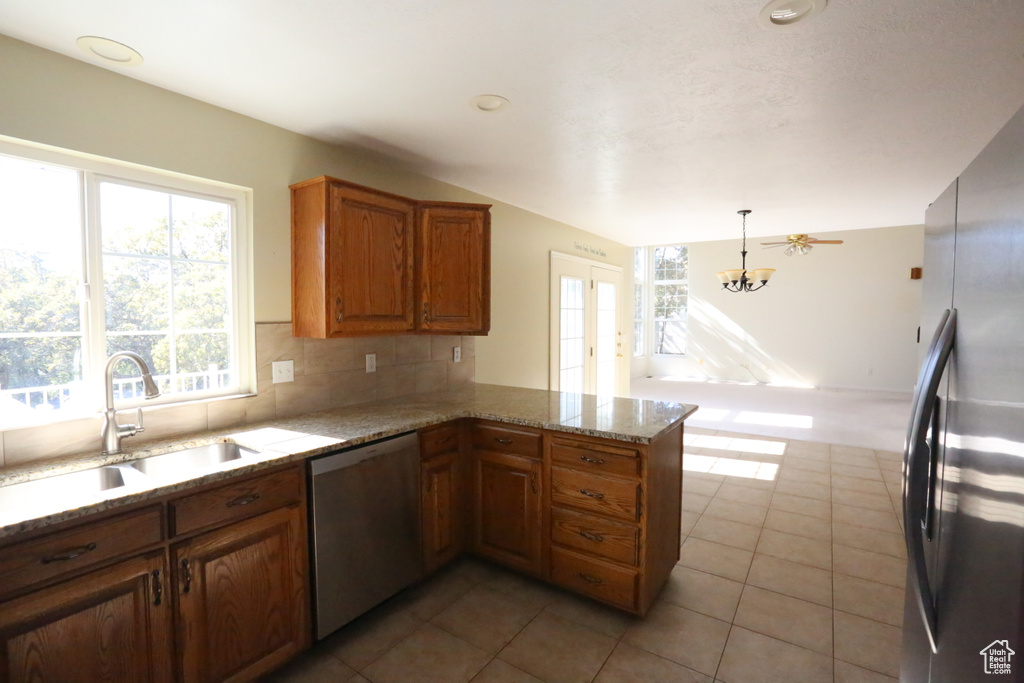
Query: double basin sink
{"type": "Point", "coordinates": [101, 483]}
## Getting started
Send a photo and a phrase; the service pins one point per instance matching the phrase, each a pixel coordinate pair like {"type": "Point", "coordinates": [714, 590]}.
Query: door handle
{"type": "Point", "coordinates": [158, 588]}
{"type": "Point", "coordinates": [186, 576]}
{"type": "Point", "coordinates": [916, 497]}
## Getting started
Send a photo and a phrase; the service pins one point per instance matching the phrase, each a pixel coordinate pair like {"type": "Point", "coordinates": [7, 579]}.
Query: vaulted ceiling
{"type": "Point", "coordinates": [646, 122]}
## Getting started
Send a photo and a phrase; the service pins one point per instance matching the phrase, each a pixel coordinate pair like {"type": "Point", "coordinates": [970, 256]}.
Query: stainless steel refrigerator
{"type": "Point", "coordinates": [963, 497]}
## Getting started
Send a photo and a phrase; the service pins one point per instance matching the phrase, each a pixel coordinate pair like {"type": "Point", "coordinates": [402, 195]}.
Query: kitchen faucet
{"type": "Point", "coordinates": [112, 431]}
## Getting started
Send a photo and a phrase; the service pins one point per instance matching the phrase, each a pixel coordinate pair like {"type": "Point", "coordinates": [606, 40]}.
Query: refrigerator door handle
{"type": "Point", "coordinates": [917, 466]}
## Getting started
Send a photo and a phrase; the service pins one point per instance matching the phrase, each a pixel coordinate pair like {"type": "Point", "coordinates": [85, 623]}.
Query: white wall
{"type": "Point", "coordinates": [844, 316]}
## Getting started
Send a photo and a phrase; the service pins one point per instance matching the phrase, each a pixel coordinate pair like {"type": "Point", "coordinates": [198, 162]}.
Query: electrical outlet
{"type": "Point", "coordinates": [371, 362]}
{"type": "Point", "coordinates": [283, 371]}
{"type": "Point", "coordinates": [457, 354]}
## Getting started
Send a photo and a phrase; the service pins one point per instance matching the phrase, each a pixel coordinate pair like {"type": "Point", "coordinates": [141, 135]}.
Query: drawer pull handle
{"type": "Point", "coordinates": [596, 461]}
{"type": "Point", "coordinates": [244, 500]}
{"type": "Point", "coordinates": [444, 440]}
{"type": "Point", "coordinates": [597, 538]}
{"type": "Point", "coordinates": [186, 576]}
{"type": "Point", "coordinates": [500, 440]}
{"type": "Point", "coordinates": [588, 578]}
{"type": "Point", "coordinates": [158, 588]}
{"type": "Point", "coordinates": [340, 310]}
{"type": "Point", "coordinates": [70, 554]}
{"type": "Point", "coordinates": [592, 494]}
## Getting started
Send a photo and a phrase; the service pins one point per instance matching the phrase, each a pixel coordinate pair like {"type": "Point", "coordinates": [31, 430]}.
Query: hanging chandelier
{"type": "Point", "coordinates": [740, 279]}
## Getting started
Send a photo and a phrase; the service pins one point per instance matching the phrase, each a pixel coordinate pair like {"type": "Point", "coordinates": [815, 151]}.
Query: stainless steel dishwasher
{"type": "Point", "coordinates": [365, 529]}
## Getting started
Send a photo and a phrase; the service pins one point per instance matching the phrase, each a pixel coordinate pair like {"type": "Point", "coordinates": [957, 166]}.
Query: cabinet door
{"type": "Point", "coordinates": [442, 540]}
{"type": "Point", "coordinates": [454, 253]}
{"type": "Point", "coordinates": [242, 597]}
{"type": "Point", "coordinates": [370, 272]}
{"type": "Point", "coordinates": [110, 625]}
{"type": "Point", "coordinates": [507, 509]}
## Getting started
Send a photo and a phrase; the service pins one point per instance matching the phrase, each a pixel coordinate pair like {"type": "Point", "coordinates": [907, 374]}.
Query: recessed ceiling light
{"type": "Point", "coordinates": [109, 50]}
{"type": "Point", "coordinates": [789, 12]}
{"type": "Point", "coordinates": [489, 103]}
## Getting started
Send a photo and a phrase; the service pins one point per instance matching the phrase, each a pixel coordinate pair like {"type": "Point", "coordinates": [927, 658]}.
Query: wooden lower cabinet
{"type": "Point", "coordinates": [507, 504]}
{"type": "Point", "coordinates": [114, 624]}
{"type": "Point", "coordinates": [441, 512]}
{"type": "Point", "coordinates": [242, 597]}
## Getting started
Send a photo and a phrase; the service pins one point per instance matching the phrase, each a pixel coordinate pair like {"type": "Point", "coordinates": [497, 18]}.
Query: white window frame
{"type": "Point", "coordinates": [648, 285]}
{"type": "Point", "coordinates": [92, 171]}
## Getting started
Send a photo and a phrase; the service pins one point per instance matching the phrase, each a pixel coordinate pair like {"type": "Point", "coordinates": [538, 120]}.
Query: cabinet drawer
{"type": "Point", "coordinates": [596, 458]}
{"type": "Point", "coordinates": [596, 578]}
{"type": "Point", "coordinates": [506, 441]}
{"type": "Point", "coordinates": [46, 558]}
{"type": "Point", "coordinates": [440, 440]}
{"type": "Point", "coordinates": [595, 535]}
{"type": "Point", "coordinates": [235, 501]}
{"type": "Point", "coordinates": [615, 497]}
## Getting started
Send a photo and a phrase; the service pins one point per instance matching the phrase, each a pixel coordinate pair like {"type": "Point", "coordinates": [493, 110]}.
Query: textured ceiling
{"type": "Point", "coordinates": [645, 122]}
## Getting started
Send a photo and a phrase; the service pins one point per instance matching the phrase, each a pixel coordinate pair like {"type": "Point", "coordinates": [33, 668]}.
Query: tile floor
{"type": "Point", "coordinates": [791, 571]}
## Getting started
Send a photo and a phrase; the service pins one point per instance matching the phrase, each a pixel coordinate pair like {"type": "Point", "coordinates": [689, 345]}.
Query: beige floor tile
{"type": "Point", "coordinates": [804, 489]}
{"type": "Point", "coordinates": [498, 671]}
{"type": "Point", "coordinates": [584, 611]}
{"type": "Point", "coordinates": [694, 640]}
{"type": "Point", "coordinates": [695, 502]}
{"type": "Point", "coordinates": [840, 482]}
{"type": "Point", "coordinates": [726, 532]}
{"type": "Point", "coordinates": [786, 618]}
{"type": "Point", "coordinates": [743, 494]}
{"type": "Point", "coordinates": [798, 549]}
{"type": "Point", "coordinates": [867, 643]}
{"type": "Point", "coordinates": [754, 658]}
{"type": "Point", "coordinates": [871, 501]}
{"type": "Point", "coordinates": [357, 679]}
{"type": "Point", "coordinates": [873, 519]}
{"type": "Point", "coordinates": [810, 448]}
{"type": "Point", "coordinates": [866, 461]}
{"type": "Point", "coordinates": [428, 655]}
{"type": "Point", "coordinates": [892, 478]}
{"type": "Point", "coordinates": [736, 512]}
{"type": "Point", "coordinates": [889, 455]}
{"type": "Point", "coordinates": [426, 600]}
{"type": "Point", "coordinates": [705, 487]}
{"type": "Point", "coordinates": [715, 558]}
{"type": "Point", "coordinates": [840, 452]}
{"type": "Point", "coordinates": [791, 578]}
{"type": "Point", "coordinates": [370, 636]}
{"type": "Point", "coordinates": [868, 599]}
{"type": "Point", "coordinates": [750, 483]}
{"type": "Point", "coordinates": [475, 570]}
{"type": "Point", "coordinates": [890, 465]}
{"type": "Point", "coordinates": [314, 666]}
{"type": "Point", "coordinates": [802, 506]}
{"type": "Point", "coordinates": [630, 664]}
{"type": "Point", "coordinates": [558, 650]}
{"type": "Point", "coordinates": [868, 539]}
{"type": "Point", "coordinates": [849, 673]}
{"type": "Point", "coordinates": [531, 593]}
{"type": "Point", "coordinates": [804, 475]}
{"type": "Point", "coordinates": [799, 525]}
{"type": "Point", "coordinates": [870, 566]}
{"type": "Point", "coordinates": [793, 462]}
{"type": "Point", "coordinates": [686, 522]}
{"type": "Point", "coordinates": [872, 473]}
{"type": "Point", "coordinates": [701, 592]}
{"type": "Point", "coordinates": [485, 618]}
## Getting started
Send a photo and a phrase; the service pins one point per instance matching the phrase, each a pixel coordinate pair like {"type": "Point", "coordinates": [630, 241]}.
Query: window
{"type": "Point", "coordinates": [639, 276]}
{"type": "Point", "coordinates": [97, 258]}
{"type": "Point", "coordinates": [670, 289]}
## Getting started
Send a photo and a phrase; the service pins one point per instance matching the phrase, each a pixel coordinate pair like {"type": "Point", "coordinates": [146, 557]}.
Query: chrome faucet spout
{"type": "Point", "coordinates": [112, 431]}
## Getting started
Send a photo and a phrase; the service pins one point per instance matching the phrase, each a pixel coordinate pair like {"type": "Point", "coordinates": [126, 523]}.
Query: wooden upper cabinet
{"type": "Point", "coordinates": [453, 261]}
{"type": "Point", "coordinates": [366, 262]}
{"type": "Point", "coordinates": [352, 260]}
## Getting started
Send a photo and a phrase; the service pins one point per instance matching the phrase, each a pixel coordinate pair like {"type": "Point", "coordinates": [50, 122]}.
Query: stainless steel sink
{"type": "Point", "coordinates": [190, 461]}
{"type": "Point", "coordinates": [63, 487]}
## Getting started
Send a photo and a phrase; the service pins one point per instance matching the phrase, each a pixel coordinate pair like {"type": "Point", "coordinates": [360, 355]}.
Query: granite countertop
{"type": "Point", "coordinates": [285, 440]}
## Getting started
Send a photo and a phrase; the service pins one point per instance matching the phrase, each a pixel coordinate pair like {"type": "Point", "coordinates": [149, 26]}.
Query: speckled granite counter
{"type": "Point", "coordinates": [281, 441]}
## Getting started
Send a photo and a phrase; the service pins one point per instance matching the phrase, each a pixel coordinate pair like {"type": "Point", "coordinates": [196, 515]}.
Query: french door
{"type": "Point", "coordinates": [586, 340]}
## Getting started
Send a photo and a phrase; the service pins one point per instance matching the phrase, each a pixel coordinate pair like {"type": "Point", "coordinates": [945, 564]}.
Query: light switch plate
{"type": "Point", "coordinates": [457, 354]}
{"type": "Point", "coordinates": [284, 371]}
{"type": "Point", "coordinates": [371, 362]}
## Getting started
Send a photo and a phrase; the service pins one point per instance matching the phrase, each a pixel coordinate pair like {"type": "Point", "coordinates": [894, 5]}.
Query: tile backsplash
{"type": "Point", "coordinates": [329, 373]}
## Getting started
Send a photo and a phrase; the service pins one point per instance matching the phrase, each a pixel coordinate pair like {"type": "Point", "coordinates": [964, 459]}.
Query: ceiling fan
{"type": "Point", "coordinates": [799, 244]}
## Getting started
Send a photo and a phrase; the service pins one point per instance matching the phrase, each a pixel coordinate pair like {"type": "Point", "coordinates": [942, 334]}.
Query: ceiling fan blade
{"type": "Point", "coordinates": [817, 241]}
{"type": "Point", "coordinates": [773, 244]}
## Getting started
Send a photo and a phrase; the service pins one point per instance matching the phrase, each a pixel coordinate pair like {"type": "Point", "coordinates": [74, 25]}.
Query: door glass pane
{"type": "Point", "coordinates": [571, 342]}
{"type": "Point", "coordinates": [41, 341]}
{"type": "Point", "coordinates": [606, 334]}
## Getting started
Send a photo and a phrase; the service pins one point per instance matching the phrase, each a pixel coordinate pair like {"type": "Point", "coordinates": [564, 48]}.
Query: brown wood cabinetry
{"type": "Point", "coordinates": [369, 262]}
{"type": "Point", "coordinates": [507, 497]}
{"type": "Point", "coordinates": [442, 515]}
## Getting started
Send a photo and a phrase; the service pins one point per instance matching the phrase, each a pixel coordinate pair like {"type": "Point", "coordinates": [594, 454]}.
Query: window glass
{"type": "Point", "coordinates": [670, 291]}
{"type": "Point", "coordinates": [639, 276]}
